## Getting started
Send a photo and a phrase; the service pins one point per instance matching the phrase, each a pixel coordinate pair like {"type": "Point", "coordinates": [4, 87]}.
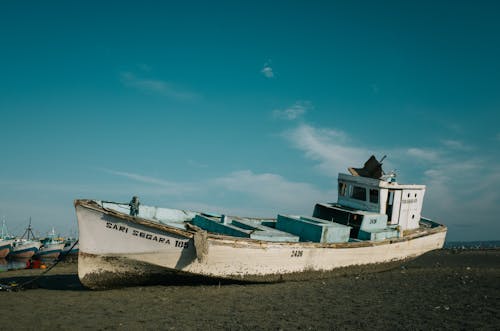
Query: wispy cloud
{"type": "Point", "coordinates": [274, 189]}
{"type": "Point", "coordinates": [455, 145]}
{"type": "Point", "coordinates": [293, 112]}
{"type": "Point", "coordinates": [263, 192]}
{"type": "Point", "coordinates": [166, 187]}
{"type": "Point", "coordinates": [328, 147]}
{"type": "Point", "coordinates": [156, 86]}
{"type": "Point", "coordinates": [267, 70]}
{"type": "Point", "coordinates": [423, 154]}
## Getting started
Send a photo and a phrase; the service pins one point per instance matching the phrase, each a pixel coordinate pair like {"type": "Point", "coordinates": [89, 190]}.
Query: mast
{"type": "Point", "coordinates": [5, 232]}
{"type": "Point", "coordinates": [28, 231]}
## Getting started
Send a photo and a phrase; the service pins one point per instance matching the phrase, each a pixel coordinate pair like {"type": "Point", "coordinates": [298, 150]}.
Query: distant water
{"type": "Point", "coordinates": [472, 244]}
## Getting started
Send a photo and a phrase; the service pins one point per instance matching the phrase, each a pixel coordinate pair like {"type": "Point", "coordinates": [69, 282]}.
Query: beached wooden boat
{"type": "Point", "coordinates": [376, 222]}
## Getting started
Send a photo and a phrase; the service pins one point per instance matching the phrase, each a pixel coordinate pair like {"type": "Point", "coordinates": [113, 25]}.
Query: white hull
{"type": "Point", "coordinates": [24, 249]}
{"type": "Point", "coordinates": [116, 249]}
{"type": "Point", "coordinates": [52, 250]}
{"type": "Point", "coordinates": [70, 249]}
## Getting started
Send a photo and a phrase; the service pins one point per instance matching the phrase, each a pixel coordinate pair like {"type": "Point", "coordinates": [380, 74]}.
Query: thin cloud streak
{"type": "Point", "coordinates": [263, 192]}
{"type": "Point", "coordinates": [423, 154]}
{"type": "Point", "coordinates": [167, 187]}
{"type": "Point", "coordinates": [274, 189]}
{"type": "Point", "coordinates": [327, 147]}
{"type": "Point", "coordinates": [156, 86]}
{"type": "Point", "coordinates": [294, 112]}
{"type": "Point", "coordinates": [455, 145]}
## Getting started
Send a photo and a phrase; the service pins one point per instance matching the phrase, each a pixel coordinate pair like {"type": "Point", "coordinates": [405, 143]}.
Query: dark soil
{"type": "Point", "coordinates": [446, 289]}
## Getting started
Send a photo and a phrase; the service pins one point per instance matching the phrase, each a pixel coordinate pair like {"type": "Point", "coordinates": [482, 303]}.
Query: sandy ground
{"type": "Point", "coordinates": [454, 290]}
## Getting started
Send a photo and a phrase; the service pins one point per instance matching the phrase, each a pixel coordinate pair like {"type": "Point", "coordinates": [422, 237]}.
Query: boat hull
{"type": "Point", "coordinates": [51, 251]}
{"type": "Point", "coordinates": [4, 251]}
{"type": "Point", "coordinates": [5, 248]}
{"type": "Point", "coordinates": [117, 250]}
{"type": "Point", "coordinates": [25, 250]}
{"type": "Point", "coordinates": [70, 252]}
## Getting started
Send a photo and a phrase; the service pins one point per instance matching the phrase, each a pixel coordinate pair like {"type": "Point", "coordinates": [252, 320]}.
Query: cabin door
{"type": "Point", "coordinates": [409, 209]}
{"type": "Point", "coordinates": [392, 207]}
{"type": "Point", "coordinates": [389, 205]}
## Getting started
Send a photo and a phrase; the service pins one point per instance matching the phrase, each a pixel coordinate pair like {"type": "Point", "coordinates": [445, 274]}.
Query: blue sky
{"type": "Point", "coordinates": [247, 108]}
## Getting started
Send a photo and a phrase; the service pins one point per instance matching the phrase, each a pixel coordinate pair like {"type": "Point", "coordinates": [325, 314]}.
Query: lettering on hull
{"type": "Point", "coordinates": [146, 235]}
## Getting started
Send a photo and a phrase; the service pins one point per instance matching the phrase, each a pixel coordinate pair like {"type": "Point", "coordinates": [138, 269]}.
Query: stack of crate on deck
{"type": "Point", "coordinates": [313, 229]}
{"type": "Point", "coordinates": [245, 228]}
{"type": "Point", "coordinates": [364, 225]}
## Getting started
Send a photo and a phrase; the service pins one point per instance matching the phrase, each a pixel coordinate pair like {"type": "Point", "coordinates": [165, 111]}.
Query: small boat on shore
{"type": "Point", "coordinates": [26, 246]}
{"type": "Point", "coordinates": [375, 222]}
{"type": "Point", "coordinates": [51, 247]}
{"type": "Point", "coordinates": [70, 247]}
{"type": "Point", "coordinates": [5, 247]}
{"type": "Point", "coordinates": [6, 241]}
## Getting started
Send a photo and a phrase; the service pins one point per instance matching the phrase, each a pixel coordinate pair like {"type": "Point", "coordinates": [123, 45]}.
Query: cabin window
{"type": "Point", "coordinates": [358, 193]}
{"type": "Point", "coordinates": [373, 195]}
{"type": "Point", "coordinates": [342, 189]}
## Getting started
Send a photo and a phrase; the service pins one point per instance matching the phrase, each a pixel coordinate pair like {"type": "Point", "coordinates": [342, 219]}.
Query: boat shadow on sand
{"type": "Point", "coordinates": [71, 282]}
{"type": "Point", "coordinates": [68, 282]}
{"type": "Point", "coordinates": [66, 279]}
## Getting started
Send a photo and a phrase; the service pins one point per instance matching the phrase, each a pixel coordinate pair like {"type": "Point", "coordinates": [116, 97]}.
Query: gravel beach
{"type": "Point", "coordinates": [446, 289]}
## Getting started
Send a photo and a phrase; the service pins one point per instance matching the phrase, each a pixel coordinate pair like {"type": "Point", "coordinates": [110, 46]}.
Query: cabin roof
{"type": "Point", "coordinates": [378, 183]}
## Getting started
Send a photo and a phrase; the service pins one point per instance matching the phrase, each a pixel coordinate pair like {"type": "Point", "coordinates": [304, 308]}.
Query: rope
{"type": "Point", "coordinates": [15, 287]}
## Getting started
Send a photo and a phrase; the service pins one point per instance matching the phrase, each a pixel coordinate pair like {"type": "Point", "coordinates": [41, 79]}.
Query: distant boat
{"type": "Point", "coordinates": [70, 247]}
{"type": "Point", "coordinates": [5, 247]}
{"type": "Point", "coordinates": [5, 241]}
{"type": "Point", "coordinates": [51, 247]}
{"type": "Point", "coordinates": [25, 247]}
{"type": "Point", "coordinates": [375, 222]}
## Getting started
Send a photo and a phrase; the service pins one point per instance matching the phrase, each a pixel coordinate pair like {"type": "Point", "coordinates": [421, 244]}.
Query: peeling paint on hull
{"type": "Point", "coordinates": [5, 247]}
{"type": "Point", "coordinates": [119, 250]}
{"type": "Point", "coordinates": [133, 273]}
{"type": "Point", "coordinates": [4, 251]}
